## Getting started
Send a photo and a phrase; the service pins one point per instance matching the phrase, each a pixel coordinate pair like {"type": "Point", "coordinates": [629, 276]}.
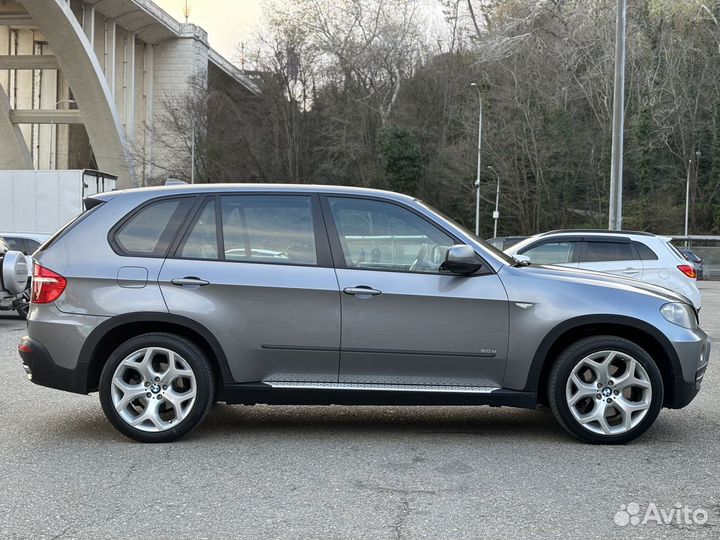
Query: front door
{"type": "Point", "coordinates": [404, 321]}
{"type": "Point", "coordinates": [255, 271]}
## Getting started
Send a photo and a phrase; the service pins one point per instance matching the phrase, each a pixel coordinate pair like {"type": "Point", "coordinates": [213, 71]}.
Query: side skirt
{"type": "Point", "coordinates": [369, 394]}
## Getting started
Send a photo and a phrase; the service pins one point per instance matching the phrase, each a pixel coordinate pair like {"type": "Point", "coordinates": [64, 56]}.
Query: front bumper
{"type": "Point", "coordinates": [43, 370]}
{"type": "Point", "coordinates": [694, 358]}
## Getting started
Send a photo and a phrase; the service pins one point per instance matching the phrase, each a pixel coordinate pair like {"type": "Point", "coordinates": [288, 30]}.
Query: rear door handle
{"type": "Point", "coordinates": [631, 271]}
{"type": "Point", "coordinates": [189, 281]}
{"type": "Point", "coordinates": [362, 290]}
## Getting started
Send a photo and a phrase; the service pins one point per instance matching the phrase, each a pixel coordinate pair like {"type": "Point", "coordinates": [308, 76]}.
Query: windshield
{"type": "Point", "coordinates": [492, 249]}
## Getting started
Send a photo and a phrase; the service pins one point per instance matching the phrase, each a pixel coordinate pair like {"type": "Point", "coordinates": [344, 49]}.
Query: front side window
{"type": "Point", "coordinates": [150, 231]}
{"type": "Point", "coordinates": [551, 253]}
{"type": "Point", "coordinates": [608, 251]}
{"type": "Point", "coordinates": [269, 229]}
{"type": "Point", "coordinates": [384, 236]}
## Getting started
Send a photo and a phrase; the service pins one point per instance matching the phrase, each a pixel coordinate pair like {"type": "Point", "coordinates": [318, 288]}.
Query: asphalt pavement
{"type": "Point", "coordinates": [260, 472]}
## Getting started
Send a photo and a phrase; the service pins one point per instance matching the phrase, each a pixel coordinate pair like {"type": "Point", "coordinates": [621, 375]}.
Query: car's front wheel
{"type": "Point", "coordinates": [156, 387]}
{"type": "Point", "coordinates": [605, 389]}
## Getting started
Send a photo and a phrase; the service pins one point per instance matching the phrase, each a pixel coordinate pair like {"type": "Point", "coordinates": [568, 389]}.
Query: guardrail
{"type": "Point", "coordinates": [707, 247]}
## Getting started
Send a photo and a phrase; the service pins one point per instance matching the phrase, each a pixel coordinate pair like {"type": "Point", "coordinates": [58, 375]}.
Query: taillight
{"type": "Point", "coordinates": [688, 270]}
{"type": "Point", "coordinates": [47, 286]}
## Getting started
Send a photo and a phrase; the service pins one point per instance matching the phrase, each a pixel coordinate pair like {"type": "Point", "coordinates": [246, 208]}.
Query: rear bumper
{"type": "Point", "coordinates": [43, 370]}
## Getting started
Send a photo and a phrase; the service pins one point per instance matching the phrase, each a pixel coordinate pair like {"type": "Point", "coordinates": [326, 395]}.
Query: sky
{"type": "Point", "coordinates": [227, 22]}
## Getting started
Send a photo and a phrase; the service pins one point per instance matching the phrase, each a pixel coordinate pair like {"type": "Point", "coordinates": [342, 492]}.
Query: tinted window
{"type": "Point", "coordinates": [385, 236]}
{"type": "Point", "coordinates": [270, 229]}
{"type": "Point", "coordinates": [551, 253]}
{"type": "Point", "coordinates": [16, 244]}
{"type": "Point", "coordinates": [201, 241]}
{"type": "Point", "coordinates": [608, 251]}
{"type": "Point", "coordinates": [645, 253]}
{"type": "Point", "coordinates": [150, 231]}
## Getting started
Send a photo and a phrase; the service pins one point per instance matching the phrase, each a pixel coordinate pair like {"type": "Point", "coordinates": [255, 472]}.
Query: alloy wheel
{"type": "Point", "coordinates": [608, 392]}
{"type": "Point", "coordinates": [153, 389]}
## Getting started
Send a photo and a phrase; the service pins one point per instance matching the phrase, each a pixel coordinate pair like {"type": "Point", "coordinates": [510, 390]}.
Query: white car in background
{"type": "Point", "coordinates": [638, 255]}
{"type": "Point", "coordinates": [27, 244]}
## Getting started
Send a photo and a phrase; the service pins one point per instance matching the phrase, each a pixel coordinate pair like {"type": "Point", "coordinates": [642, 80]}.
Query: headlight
{"type": "Point", "coordinates": [680, 314]}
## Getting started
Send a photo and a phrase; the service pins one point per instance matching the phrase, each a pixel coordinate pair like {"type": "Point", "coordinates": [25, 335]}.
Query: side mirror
{"type": "Point", "coordinates": [461, 259]}
{"type": "Point", "coordinates": [521, 258]}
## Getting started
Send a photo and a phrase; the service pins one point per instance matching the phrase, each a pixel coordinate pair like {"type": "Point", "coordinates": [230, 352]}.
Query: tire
{"type": "Point", "coordinates": [630, 399]}
{"type": "Point", "coordinates": [24, 308]}
{"type": "Point", "coordinates": [137, 386]}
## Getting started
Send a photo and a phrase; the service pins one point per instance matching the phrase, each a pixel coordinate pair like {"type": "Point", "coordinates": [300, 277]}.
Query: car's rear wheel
{"type": "Point", "coordinates": [156, 387]}
{"type": "Point", "coordinates": [605, 389]}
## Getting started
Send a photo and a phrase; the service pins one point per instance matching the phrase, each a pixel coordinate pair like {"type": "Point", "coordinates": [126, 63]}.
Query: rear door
{"type": "Point", "coordinates": [255, 270]}
{"type": "Point", "coordinates": [613, 255]}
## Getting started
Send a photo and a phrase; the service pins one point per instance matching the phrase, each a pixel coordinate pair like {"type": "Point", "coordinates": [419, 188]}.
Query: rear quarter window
{"type": "Point", "coordinates": [645, 252]}
{"type": "Point", "coordinates": [148, 232]}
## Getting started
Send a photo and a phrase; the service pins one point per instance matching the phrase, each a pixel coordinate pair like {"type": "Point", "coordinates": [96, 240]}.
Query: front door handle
{"type": "Point", "coordinates": [189, 281]}
{"type": "Point", "coordinates": [362, 290]}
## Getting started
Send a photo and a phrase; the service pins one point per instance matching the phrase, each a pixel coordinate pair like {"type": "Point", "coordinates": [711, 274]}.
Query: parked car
{"type": "Point", "coordinates": [14, 274]}
{"type": "Point", "coordinates": [505, 242]}
{"type": "Point", "coordinates": [180, 299]}
{"type": "Point", "coordinates": [638, 255]}
{"type": "Point", "coordinates": [696, 261]}
{"type": "Point", "coordinates": [27, 244]}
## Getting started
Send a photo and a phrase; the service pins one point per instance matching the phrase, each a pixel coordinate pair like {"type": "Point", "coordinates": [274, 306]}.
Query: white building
{"type": "Point", "coordinates": [82, 82]}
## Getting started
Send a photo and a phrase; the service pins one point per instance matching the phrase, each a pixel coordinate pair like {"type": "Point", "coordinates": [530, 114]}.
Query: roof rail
{"type": "Point", "coordinates": [600, 231]}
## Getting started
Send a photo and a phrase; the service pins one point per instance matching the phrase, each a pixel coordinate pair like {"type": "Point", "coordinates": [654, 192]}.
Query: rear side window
{"type": "Point", "coordinates": [551, 253]}
{"type": "Point", "coordinates": [202, 241]}
{"type": "Point", "coordinates": [16, 244]}
{"type": "Point", "coordinates": [31, 246]}
{"type": "Point", "coordinates": [608, 251]}
{"type": "Point", "coordinates": [148, 232]}
{"type": "Point", "coordinates": [268, 229]}
{"type": "Point", "coordinates": [646, 254]}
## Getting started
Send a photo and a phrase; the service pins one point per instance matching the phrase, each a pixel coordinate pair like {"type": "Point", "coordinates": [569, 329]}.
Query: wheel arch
{"type": "Point", "coordinates": [104, 339]}
{"type": "Point", "coordinates": [640, 332]}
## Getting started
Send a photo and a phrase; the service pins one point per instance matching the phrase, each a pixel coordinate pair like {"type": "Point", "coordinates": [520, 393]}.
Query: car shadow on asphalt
{"type": "Point", "coordinates": [228, 422]}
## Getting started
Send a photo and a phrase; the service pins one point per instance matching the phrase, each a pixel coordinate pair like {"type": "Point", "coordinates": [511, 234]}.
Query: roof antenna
{"type": "Point", "coordinates": [186, 11]}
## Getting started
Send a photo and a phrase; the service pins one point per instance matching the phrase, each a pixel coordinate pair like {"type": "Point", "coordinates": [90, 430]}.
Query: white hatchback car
{"type": "Point", "coordinates": [638, 255]}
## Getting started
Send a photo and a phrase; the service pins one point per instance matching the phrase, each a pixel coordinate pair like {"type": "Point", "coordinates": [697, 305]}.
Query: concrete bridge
{"type": "Point", "coordinates": [83, 82]}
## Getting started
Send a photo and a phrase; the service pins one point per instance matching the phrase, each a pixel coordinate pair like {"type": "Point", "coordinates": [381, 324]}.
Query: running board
{"type": "Point", "coordinates": [372, 387]}
{"type": "Point", "coordinates": [320, 393]}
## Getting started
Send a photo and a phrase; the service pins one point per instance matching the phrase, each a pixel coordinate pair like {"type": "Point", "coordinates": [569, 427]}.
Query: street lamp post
{"type": "Point", "coordinates": [687, 199]}
{"type": "Point", "coordinates": [192, 152]}
{"type": "Point", "coordinates": [687, 193]}
{"type": "Point", "coordinates": [52, 133]}
{"type": "Point", "coordinates": [479, 153]}
{"type": "Point", "coordinates": [618, 120]}
{"type": "Point", "coordinates": [496, 213]}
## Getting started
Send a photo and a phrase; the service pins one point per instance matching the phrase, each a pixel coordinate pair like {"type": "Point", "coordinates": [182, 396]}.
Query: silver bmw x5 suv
{"type": "Point", "coordinates": [166, 300]}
